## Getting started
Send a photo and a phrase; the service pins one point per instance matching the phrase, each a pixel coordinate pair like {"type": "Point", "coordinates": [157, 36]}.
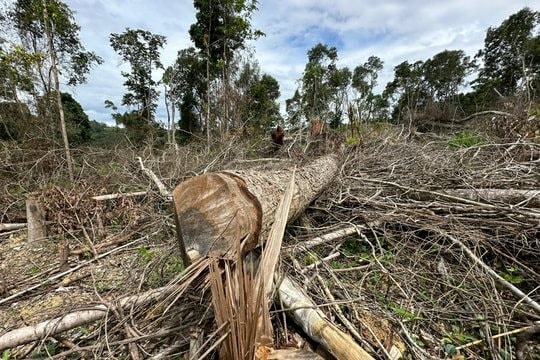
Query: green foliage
{"type": "Point", "coordinates": [352, 140]}
{"type": "Point", "coordinates": [512, 275]}
{"type": "Point", "coordinates": [6, 355]}
{"type": "Point", "coordinates": [104, 136]}
{"type": "Point", "coordinates": [445, 72]}
{"type": "Point", "coordinates": [310, 258]}
{"type": "Point", "coordinates": [222, 28]}
{"type": "Point", "coordinates": [186, 87]}
{"type": "Point", "coordinates": [403, 313]}
{"type": "Point", "coordinates": [140, 49]}
{"type": "Point", "coordinates": [511, 53]}
{"type": "Point", "coordinates": [465, 139]}
{"type": "Point", "coordinates": [146, 254]}
{"type": "Point", "coordinates": [367, 105]}
{"type": "Point", "coordinates": [28, 19]}
{"type": "Point", "coordinates": [323, 89]}
{"type": "Point", "coordinates": [456, 336]}
{"type": "Point", "coordinates": [16, 71]}
{"type": "Point", "coordinates": [50, 349]}
{"type": "Point", "coordinates": [14, 120]}
{"type": "Point", "coordinates": [77, 122]}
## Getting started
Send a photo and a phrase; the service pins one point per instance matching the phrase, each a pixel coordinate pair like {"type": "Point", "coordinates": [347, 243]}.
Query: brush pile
{"type": "Point", "coordinates": [429, 243]}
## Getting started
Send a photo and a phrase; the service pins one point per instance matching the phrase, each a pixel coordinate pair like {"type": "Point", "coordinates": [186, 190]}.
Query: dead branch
{"type": "Point", "coordinates": [76, 318]}
{"type": "Point", "coordinates": [119, 195]}
{"type": "Point", "coordinates": [482, 113]}
{"type": "Point", "coordinates": [523, 297]}
{"type": "Point", "coordinates": [60, 275]}
{"type": "Point", "coordinates": [13, 226]}
{"type": "Point", "coordinates": [162, 189]}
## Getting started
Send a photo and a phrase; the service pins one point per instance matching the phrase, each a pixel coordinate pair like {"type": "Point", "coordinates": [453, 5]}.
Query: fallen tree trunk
{"type": "Point", "coordinates": [214, 211]}
{"type": "Point", "coordinates": [529, 198]}
{"type": "Point", "coordinates": [217, 214]}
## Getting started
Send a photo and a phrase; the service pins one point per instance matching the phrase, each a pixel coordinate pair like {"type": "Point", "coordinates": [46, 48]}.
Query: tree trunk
{"type": "Point", "coordinates": [52, 53]}
{"type": "Point", "coordinates": [215, 211]}
{"type": "Point", "coordinates": [35, 215]}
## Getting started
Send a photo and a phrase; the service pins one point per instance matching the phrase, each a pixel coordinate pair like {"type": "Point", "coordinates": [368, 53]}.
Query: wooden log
{"type": "Point", "coordinates": [214, 211]}
{"type": "Point", "coordinates": [315, 324]}
{"type": "Point", "coordinates": [530, 198]}
{"type": "Point", "coordinates": [35, 217]}
{"type": "Point", "coordinates": [12, 226]}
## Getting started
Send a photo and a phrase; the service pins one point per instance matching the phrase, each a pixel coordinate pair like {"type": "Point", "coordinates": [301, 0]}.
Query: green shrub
{"type": "Point", "coordinates": [465, 139]}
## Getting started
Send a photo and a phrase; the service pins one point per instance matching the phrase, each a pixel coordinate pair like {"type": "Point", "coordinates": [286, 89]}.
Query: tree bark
{"type": "Point", "coordinates": [35, 216]}
{"type": "Point", "coordinates": [314, 323]}
{"type": "Point", "coordinates": [214, 211]}
{"type": "Point", "coordinates": [54, 65]}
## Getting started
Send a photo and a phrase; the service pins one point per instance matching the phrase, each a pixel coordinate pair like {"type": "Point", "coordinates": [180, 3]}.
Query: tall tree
{"type": "Point", "coordinates": [221, 29]}
{"type": "Point", "coordinates": [49, 26]}
{"type": "Point", "coordinates": [364, 81]}
{"type": "Point", "coordinates": [141, 50]}
{"type": "Point", "coordinates": [324, 86]}
{"type": "Point", "coordinates": [445, 72]}
{"type": "Point", "coordinates": [186, 86]}
{"type": "Point", "coordinates": [510, 57]}
{"type": "Point", "coordinates": [407, 90]}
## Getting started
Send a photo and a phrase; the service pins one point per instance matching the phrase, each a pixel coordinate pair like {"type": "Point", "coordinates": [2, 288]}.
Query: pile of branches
{"type": "Point", "coordinates": [446, 247]}
{"type": "Point", "coordinates": [411, 251]}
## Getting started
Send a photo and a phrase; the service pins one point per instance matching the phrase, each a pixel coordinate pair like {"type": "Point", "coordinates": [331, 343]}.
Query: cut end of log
{"type": "Point", "coordinates": [215, 211]}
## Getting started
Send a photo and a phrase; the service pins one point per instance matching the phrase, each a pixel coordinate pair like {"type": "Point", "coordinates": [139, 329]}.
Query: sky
{"type": "Point", "coordinates": [394, 30]}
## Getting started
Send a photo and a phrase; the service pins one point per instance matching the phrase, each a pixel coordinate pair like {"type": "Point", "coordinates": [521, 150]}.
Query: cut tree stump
{"type": "Point", "coordinates": [35, 217]}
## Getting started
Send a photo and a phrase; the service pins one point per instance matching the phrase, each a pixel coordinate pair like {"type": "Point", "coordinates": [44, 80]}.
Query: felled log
{"type": "Point", "coordinates": [217, 210]}
{"type": "Point", "coordinates": [529, 198]}
{"type": "Point", "coordinates": [218, 213]}
{"type": "Point", "coordinates": [314, 323]}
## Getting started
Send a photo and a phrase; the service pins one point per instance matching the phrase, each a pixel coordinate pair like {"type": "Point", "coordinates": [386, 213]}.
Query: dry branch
{"type": "Point", "coordinates": [13, 226]}
{"type": "Point", "coordinates": [76, 318]}
{"type": "Point", "coordinates": [523, 297]}
{"type": "Point", "coordinates": [482, 113]}
{"type": "Point", "coordinates": [162, 189]}
{"type": "Point", "coordinates": [332, 236]}
{"type": "Point", "coordinates": [119, 195]}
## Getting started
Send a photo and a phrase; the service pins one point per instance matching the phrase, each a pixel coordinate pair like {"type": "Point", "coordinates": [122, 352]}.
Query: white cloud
{"type": "Point", "coordinates": [393, 30]}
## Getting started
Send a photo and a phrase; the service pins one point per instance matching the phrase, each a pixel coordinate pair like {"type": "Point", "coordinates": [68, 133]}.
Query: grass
{"type": "Point", "coordinates": [465, 139]}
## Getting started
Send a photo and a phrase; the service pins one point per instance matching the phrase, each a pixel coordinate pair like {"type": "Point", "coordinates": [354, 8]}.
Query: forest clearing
{"type": "Point", "coordinates": [356, 224]}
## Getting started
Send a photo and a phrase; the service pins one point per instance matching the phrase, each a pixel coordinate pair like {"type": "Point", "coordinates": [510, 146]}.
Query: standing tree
{"type": "Point", "coordinates": [141, 50]}
{"type": "Point", "coordinates": [364, 81]}
{"type": "Point", "coordinates": [407, 90]}
{"type": "Point", "coordinates": [49, 26]}
{"type": "Point", "coordinates": [511, 56]}
{"type": "Point", "coordinates": [445, 72]}
{"type": "Point", "coordinates": [324, 86]}
{"type": "Point", "coordinates": [185, 88]}
{"type": "Point", "coordinates": [222, 28]}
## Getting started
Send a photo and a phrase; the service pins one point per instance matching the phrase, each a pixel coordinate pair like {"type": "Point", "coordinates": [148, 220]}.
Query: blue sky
{"type": "Point", "coordinates": [394, 30]}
